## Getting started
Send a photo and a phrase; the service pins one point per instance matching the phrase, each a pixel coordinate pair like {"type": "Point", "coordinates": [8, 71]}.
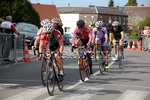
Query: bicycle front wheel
{"type": "Point", "coordinates": [50, 79]}
{"type": "Point", "coordinates": [82, 70]}
{"type": "Point", "coordinates": [101, 66]}
{"type": "Point", "coordinates": [119, 59]}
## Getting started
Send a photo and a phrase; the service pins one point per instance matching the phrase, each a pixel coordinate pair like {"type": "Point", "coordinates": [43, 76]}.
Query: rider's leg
{"type": "Point", "coordinates": [121, 45]}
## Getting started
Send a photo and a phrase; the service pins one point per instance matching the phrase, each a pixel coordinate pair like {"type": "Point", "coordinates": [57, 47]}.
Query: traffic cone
{"type": "Point", "coordinates": [133, 46]}
{"type": "Point", "coordinates": [140, 45]}
{"type": "Point", "coordinates": [128, 47]}
{"type": "Point", "coordinates": [26, 57]}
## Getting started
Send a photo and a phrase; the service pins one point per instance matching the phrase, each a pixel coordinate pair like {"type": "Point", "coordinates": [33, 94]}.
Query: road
{"type": "Point", "coordinates": [22, 81]}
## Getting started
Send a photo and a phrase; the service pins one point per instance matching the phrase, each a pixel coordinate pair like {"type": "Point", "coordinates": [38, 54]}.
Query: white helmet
{"type": "Point", "coordinates": [48, 28]}
{"type": "Point", "coordinates": [98, 24]}
{"type": "Point", "coordinates": [115, 23]}
{"type": "Point", "coordinates": [55, 20]}
{"type": "Point", "coordinates": [45, 22]}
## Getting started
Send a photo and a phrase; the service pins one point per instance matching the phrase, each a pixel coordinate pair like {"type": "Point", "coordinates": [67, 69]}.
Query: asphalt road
{"type": "Point", "coordinates": [22, 81]}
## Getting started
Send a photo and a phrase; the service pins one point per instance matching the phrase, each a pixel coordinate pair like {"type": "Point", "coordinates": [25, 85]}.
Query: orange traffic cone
{"type": "Point", "coordinates": [128, 47]}
{"type": "Point", "coordinates": [133, 46]}
{"type": "Point", "coordinates": [140, 45]}
{"type": "Point", "coordinates": [26, 57]}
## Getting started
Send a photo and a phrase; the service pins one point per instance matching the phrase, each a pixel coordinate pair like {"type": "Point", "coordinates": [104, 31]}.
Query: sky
{"type": "Point", "coordinates": [85, 3]}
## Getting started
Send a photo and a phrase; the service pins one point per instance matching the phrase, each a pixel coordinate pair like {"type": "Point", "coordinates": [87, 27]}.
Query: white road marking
{"type": "Point", "coordinates": [83, 93]}
{"type": "Point", "coordinates": [133, 95]}
{"type": "Point", "coordinates": [4, 86]}
{"type": "Point", "coordinates": [29, 94]}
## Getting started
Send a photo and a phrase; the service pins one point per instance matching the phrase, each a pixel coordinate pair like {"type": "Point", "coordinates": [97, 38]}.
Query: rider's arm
{"type": "Point", "coordinates": [106, 38]}
{"type": "Point", "coordinates": [90, 38]}
{"type": "Point", "coordinates": [61, 44]}
{"type": "Point", "coordinates": [94, 36]}
{"type": "Point", "coordinates": [73, 38]}
{"type": "Point", "coordinates": [122, 35]}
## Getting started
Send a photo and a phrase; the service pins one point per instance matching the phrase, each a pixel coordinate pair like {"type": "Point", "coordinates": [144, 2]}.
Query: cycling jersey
{"type": "Point", "coordinates": [84, 35]}
{"type": "Point", "coordinates": [116, 34]}
{"type": "Point", "coordinates": [99, 35]}
{"type": "Point", "coordinates": [8, 26]}
{"type": "Point", "coordinates": [40, 31]}
{"type": "Point", "coordinates": [51, 43]}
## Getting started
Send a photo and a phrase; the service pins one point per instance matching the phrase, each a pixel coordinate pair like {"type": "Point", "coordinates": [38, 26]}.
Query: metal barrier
{"type": "Point", "coordinates": [146, 42]}
{"type": "Point", "coordinates": [11, 47]}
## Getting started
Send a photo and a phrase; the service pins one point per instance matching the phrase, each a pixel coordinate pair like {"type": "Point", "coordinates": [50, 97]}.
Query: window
{"type": "Point", "coordinates": [92, 18]}
{"type": "Point", "coordinates": [109, 20]}
{"type": "Point", "coordinates": [67, 29]}
{"type": "Point", "coordinates": [115, 18]}
{"type": "Point", "coordinates": [120, 20]}
{"type": "Point", "coordinates": [101, 18]}
{"type": "Point", "coordinates": [124, 21]}
{"type": "Point", "coordinates": [85, 19]}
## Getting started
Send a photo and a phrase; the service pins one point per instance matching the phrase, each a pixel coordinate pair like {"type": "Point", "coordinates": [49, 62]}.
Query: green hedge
{"type": "Point", "coordinates": [134, 34]}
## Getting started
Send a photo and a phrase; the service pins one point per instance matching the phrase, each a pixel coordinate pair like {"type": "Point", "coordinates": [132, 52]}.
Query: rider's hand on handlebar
{"type": "Point", "coordinates": [33, 47]}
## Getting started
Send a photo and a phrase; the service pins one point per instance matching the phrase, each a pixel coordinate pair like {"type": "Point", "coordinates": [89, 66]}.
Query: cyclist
{"type": "Point", "coordinates": [55, 22]}
{"type": "Point", "coordinates": [100, 36]}
{"type": "Point", "coordinates": [44, 22]}
{"type": "Point", "coordinates": [117, 34]}
{"type": "Point", "coordinates": [82, 36]}
{"type": "Point", "coordinates": [53, 41]}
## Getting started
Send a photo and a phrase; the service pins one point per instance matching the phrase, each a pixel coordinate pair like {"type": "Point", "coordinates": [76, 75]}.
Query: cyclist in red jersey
{"type": "Point", "coordinates": [52, 40]}
{"type": "Point", "coordinates": [82, 36]}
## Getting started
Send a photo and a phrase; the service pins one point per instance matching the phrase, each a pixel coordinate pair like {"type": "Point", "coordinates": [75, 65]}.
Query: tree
{"type": "Point", "coordinates": [144, 22]}
{"type": "Point", "coordinates": [131, 3]}
{"type": "Point", "coordinates": [20, 10]}
{"type": "Point", "coordinates": [111, 3]}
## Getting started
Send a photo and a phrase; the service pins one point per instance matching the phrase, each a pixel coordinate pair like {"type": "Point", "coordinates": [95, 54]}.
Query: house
{"type": "Point", "coordinates": [46, 11]}
{"type": "Point", "coordinates": [136, 14]}
{"type": "Point", "coordinates": [70, 15]}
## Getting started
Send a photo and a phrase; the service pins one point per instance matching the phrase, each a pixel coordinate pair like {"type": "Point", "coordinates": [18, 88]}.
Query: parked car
{"type": "Point", "coordinates": [126, 39]}
{"type": "Point", "coordinates": [30, 31]}
{"type": "Point", "coordinates": [67, 39]}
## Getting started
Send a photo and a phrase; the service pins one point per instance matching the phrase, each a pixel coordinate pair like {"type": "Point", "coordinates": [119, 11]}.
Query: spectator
{"type": "Point", "coordinates": [140, 32]}
{"type": "Point", "coordinates": [8, 27]}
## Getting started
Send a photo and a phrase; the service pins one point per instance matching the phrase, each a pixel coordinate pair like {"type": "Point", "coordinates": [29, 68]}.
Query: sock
{"type": "Point", "coordinates": [61, 72]}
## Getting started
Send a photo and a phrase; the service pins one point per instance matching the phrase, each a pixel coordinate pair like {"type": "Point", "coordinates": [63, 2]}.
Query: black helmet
{"type": "Point", "coordinates": [80, 23]}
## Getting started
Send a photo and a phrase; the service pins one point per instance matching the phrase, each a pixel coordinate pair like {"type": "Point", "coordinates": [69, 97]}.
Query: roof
{"type": "Point", "coordinates": [90, 10]}
{"type": "Point", "coordinates": [47, 11]}
{"type": "Point", "coordinates": [83, 10]}
{"type": "Point", "coordinates": [110, 11]}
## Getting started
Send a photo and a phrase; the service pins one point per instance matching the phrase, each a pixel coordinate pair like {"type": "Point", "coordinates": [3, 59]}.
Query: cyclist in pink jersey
{"type": "Point", "coordinates": [82, 36]}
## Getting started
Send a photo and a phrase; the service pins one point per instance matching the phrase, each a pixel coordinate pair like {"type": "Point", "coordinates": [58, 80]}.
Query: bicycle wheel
{"type": "Point", "coordinates": [59, 83]}
{"type": "Point", "coordinates": [87, 68]}
{"type": "Point", "coordinates": [101, 66]}
{"type": "Point", "coordinates": [95, 53]}
{"type": "Point", "coordinates": [119, 59]}
{"type": "Point", "coordinates": [90, 63]}
{"type": "Point", "coordinates": [50, 78]}
{"type": "Point", "coordinates": [43, 73]}
{"type": "Point", "coordinates": [82, 71]}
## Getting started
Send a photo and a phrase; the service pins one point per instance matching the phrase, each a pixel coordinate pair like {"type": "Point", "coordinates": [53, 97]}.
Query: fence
{"type": "Point", "coordinates": [11, 47]}
{"type": "Point", "coordinates": [146, 42]}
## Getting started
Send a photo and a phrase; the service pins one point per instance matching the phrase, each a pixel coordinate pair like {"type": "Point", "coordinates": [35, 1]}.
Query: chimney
{"type": "Point", "coordinates": [68, 4]}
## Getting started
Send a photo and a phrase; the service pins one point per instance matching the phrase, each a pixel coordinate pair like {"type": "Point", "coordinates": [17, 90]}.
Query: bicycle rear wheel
{"type": "Point", "coordinates": [50, 79]}
{"type": "Point", "coordinates": [82, 70]}
{"type": "Point", "coordinates": [120, 59]}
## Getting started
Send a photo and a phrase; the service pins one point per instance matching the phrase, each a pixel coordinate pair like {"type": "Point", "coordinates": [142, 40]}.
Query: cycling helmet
{"type": "Point", "coordinates": [55, 20]}
{"type": "Point", "coordinates": [80, 23]}
{"type": "Point", "coordinates": [98, 24]}
{"type": "Point", "coordinates": [115, 23]}
{"type": "Point", "coordinates": [45, 22]}
{"type": "Point", "coordinates": [48, 28]}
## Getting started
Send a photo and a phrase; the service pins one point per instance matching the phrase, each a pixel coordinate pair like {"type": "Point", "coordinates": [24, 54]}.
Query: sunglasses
{"type": "Point", "coordinates": [48, 32]}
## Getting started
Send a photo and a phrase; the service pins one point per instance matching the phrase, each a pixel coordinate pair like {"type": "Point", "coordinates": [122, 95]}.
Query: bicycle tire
{"type": "Point", "coordinates": [87, 68]}
{"type": "Point", "coordinates": [82, 71]}
{"type": "Point", "coordinates": [90, 63]}
{"type": "Point", "coordinates": [101, 67]}
{"type": "Point", "coordinates": [50, 79]}
{"type": "Point", "coordinates": [119, 59]}
{"type": "Point", "coordinates": [42, 74]}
